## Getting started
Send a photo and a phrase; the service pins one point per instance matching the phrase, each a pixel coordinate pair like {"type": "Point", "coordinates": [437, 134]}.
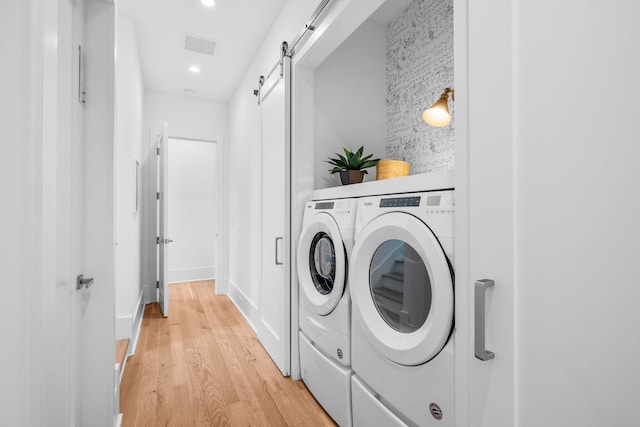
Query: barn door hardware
{"type": "Point", "coordinates": [256, 92]}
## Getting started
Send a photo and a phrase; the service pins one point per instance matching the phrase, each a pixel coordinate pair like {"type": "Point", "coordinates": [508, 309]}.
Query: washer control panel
{"type": "Point", "coordinates": [337, 207]}
{"type": "Point", "coordinates": [324, 205]}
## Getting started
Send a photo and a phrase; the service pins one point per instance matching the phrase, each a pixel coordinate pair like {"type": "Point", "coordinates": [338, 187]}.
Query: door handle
{"type": "Point", "coordinates": [480, 290]}
{"type": "Point", "coordinates": [167, 241]}
{"type": "Point", "coordinates": [84, 283]}
{"type": "Point", "coordinates": [278, 262]}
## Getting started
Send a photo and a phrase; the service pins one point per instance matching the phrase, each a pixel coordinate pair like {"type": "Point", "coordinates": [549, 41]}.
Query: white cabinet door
{"type": "Point", "coordinates": [548, 207]}
{"type": "Point", "coordinates": [274, 294]}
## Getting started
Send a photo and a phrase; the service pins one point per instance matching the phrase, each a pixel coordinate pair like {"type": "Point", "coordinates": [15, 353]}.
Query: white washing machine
{"type": "Point", "coordinates": [401, 283]}
{"type": "Point", "coordinates": [325, 243]}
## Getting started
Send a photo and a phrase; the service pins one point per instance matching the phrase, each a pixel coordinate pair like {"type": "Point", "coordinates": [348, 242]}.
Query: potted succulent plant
{"type": "Point", "coordinates": [352, 165]}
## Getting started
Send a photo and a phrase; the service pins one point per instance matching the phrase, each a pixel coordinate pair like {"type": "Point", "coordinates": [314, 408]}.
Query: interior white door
{"type": "Point", "coordinates": [485, 204]}
{"type": "Point", "coordinates": [274, 295]}
{"type": "Point", "coordinates": [163, 215]}
{"type": "Point", "coordinates": [93, 204]}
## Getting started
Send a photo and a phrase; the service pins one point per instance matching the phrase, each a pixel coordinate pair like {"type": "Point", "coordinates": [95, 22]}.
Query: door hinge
{"type": "Point", "coordinates": [157, 195]}
{"type": "Point", "coordinates": [157, 240]}
{"type": "Point", "coordinates": [157, 284]}
{"type": "Point", "coordinates": [158, 151]}
{"type": "Point", "coordinates": [82, 90]}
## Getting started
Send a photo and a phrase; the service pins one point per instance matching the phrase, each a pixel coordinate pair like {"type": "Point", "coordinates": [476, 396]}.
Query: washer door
{"type": "Point", "coordinates": [322, 263]}
{"type": "Point", "coordinates": [402, 288]}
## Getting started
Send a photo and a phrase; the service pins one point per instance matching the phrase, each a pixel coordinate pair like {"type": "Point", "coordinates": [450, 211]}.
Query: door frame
{"type": "Point", "coordinates": [463, 302]}
{"type": "Point", "coordinates": [162, 150]}
{"type": "Point", "coordinates": [97, 304]}
{"type": "Point", "coordinates": [336, 23]}
{"type": "Point", "coordinates": [220, 286]}
{"type": "Point", "coordinates": [222, 201]}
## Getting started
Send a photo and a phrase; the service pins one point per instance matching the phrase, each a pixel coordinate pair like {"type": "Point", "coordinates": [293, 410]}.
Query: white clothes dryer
{"type": "Point", "coordinates": [323, 250]}
{"type": "Point", "coordinates": [401, 285]}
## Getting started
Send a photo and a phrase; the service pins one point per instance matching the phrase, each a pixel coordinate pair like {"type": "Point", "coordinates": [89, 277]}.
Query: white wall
{"type": "Point", "coordinates": [244, 161]}
{"type": "Point", "coordinates": [192, 210]}
{"type": "Point", "coordinates": [129, 134]}
{"type": "Point", "coordinates": [350, 95]}
{"type": "Point", "coordinates": [188, 116]}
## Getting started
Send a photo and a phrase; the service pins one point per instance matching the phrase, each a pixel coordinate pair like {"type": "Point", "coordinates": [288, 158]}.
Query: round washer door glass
{"type": "Point", "coordinates": [322, 262]}
{"type": "Point", "coordinates": [400, 286]}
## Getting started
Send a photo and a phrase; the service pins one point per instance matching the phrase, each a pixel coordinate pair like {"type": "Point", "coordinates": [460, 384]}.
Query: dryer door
{"type": "Point", "coordinates": [322, 263]}
{"type": "Point", "coordinates": [402, 288]}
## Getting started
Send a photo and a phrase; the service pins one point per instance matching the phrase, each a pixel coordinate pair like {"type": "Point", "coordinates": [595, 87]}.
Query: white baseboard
{"type": "Point", "coordinates": [137, 324]}
{"type": "Point", "coordinates": [124, 326]}
{"type": "Point", "coordinates": [150, 293]}
{"type": "Point", "coordinates": [247, 307]}
{"type": "Point", "coordinates": [192, 274]}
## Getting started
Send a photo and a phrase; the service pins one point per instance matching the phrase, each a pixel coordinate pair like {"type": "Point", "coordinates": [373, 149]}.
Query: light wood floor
{"type": "Point", "coordinates": [204, 366]}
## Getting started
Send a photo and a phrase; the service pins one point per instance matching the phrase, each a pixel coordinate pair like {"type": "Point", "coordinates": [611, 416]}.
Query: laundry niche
{"type": "Point", "coordinates": [372, 88]}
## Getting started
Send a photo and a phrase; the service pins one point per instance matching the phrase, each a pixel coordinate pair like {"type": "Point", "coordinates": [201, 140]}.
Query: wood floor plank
{"type": "Point", "coordinates": [165, 368]}
{"type": "Point", "coordinates": [121, 350]}
{"type": "Point", "coordinates": [204, 366]}
{"type": "Point", "coordinates": [148, 393]}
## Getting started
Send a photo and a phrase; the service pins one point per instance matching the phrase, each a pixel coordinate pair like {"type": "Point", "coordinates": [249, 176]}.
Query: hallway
{"type": "Point", "coordinates": [203, 366]}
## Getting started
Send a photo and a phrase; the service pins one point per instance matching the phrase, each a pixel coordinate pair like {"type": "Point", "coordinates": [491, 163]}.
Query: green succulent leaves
{"type": "Point", "coordinates": [351, 160]}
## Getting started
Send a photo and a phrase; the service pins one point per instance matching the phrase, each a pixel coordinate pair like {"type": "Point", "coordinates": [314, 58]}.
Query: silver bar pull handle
{"type": "Point", "coordinates": [278, 262]}
{"type": "Point", "coordinates": [481, 352]}
{"type": "Point", "coordinates": [84, 283]}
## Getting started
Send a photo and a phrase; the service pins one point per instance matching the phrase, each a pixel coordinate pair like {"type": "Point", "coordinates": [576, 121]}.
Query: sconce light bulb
{"type": "Point", "coordinates": [438, 114]}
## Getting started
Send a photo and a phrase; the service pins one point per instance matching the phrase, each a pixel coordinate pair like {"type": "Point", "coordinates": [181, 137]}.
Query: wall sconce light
{"type": "Point", "coordinates": [438, 114]}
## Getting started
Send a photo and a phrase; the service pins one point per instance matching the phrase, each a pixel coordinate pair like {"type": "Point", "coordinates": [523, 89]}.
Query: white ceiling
{"type": "Point", "coordinates": [237, 26]}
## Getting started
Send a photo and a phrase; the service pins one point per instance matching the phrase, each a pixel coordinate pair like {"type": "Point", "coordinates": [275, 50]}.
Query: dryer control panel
{"type": "Point", "coordinates": [439, 202]}
{"type": "Point", "coordinates": [396, 202]}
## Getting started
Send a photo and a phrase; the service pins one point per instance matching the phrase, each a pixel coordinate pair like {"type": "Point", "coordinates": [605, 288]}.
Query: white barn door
{"type": "Point", "coordinates": [274, 294]}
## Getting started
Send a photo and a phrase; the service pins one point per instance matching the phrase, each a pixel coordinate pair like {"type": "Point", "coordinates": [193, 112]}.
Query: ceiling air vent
{"type": "Point", "coordinates": [199, 44]}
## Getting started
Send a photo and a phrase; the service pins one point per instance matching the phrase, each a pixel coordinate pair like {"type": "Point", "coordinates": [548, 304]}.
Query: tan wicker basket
{"type": "Point", "coordinates": [386, 169]}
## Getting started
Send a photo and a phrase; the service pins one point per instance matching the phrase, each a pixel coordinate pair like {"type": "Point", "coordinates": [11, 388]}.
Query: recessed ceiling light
{"type": "Point", "coordinates": [208, 3]}
{"type": "Point", "coordinates": [194, 69]}
{"type": "Point", "coordinates": [189, 91]}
